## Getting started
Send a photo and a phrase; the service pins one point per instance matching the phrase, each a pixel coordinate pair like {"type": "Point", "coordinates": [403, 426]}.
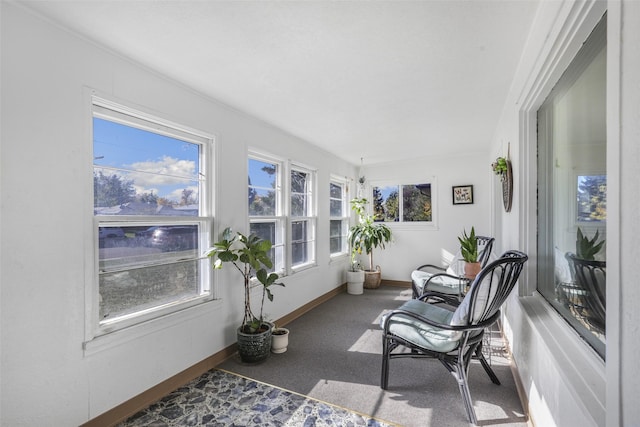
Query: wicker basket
{"type": "Point", "coordinates": [373, 278]}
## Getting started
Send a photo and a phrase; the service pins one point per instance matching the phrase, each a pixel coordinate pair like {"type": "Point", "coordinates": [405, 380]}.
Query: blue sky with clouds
{"type": "Point", "coordinates": [155, 163]}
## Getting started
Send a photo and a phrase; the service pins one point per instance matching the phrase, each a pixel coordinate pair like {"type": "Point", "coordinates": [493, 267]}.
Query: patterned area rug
{"type": "Point", "coordinates": [220, 398]}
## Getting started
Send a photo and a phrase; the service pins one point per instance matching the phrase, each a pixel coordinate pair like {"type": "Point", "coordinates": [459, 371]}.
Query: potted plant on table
{"type": "Point", "coordinates": [365, 236]}
{"type": "Point", "coordinates": [250, 256]}
{"type": "Point", "coordinates": [469, 252]}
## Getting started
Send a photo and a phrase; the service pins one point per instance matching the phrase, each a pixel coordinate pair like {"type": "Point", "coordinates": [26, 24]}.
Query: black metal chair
{"type": "Point", "coordinates": [430, 330]}
{"type": "Point", "coordinates": [590, 281]}
{"type": "Point", "coordinates": [432, 278]}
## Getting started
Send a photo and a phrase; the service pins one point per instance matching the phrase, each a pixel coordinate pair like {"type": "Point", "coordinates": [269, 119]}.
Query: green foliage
{"type": "Point", "coordinates": [367, 234]}
{"type": "Point", "coordinates": [585, 248]}
{"type": "Point", "coordinates": [111, 190]}
{"type": "Point", "coordinates": [499, 166]}
{"type": "Point", "coordinates": [592, 198]}
{"type": "Point", "coordinates": [469, 246]}
{"type": "Point", "coordinates": [416, 203]}
{"type": "Point", "coordinates": [250, 256]}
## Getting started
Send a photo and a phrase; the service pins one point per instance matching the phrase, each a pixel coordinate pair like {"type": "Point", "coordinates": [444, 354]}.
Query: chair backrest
{"type": "Point", "coordinates": [591, 276]}
{"type": "Point", "coordinates": [490, 289]}
{"type": "Point", "coordinates": [485, 247]}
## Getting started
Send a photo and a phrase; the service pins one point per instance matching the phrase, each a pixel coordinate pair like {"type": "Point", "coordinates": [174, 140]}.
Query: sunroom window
{"type": "Point", "coordinates": [403, 203]}
{"type": "Point", "coordinates": [339, 217]}
{"type": "Point", "coordinates": [151, 216]}
{"type": "Point", "coordinates": [572, 193]}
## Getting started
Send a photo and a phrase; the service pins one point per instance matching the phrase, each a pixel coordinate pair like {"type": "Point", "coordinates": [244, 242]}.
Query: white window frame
{"type": "Point", "coordinates": [344, 218]}
{"type": "Point", "coordinates": [310, 217]}
{"type": "Point", "coordinates": [279, 219]}
{"type": "Point", "coordinates": [283, 219]}
{"type": "Point", "coordinates": [408, 225]}
{"type": "Point", "coordinates": [119, 112]}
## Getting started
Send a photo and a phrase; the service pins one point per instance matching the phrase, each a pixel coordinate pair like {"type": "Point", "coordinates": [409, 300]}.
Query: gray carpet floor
{"type": "Point", "coordinates": [334, 355]}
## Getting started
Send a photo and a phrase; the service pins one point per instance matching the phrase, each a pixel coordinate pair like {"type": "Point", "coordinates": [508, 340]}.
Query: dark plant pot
{"type": "Point", "coordinates": [254, 348]}
{"type": "Point", "coordinates": [372, 278]}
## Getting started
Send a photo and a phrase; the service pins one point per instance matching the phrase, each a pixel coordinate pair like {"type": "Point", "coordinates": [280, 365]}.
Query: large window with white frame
{"type": "Point", "coordinates": [266, 210]}
{"type": "Point", "coordinates": [152, 213]}
{"type": "Point", "coordinates": [572, 193]}
{"type": "Point", "coordinates": [302, 216]}
{"type": "Point", "coordinates": [282, 209]}
{"type": "Point", "coordinates": [338, 217]}
{"type": "Point", "coordinates": [407, 203]}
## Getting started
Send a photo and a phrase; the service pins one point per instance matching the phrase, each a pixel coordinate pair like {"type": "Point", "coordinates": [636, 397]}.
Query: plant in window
{"type": "Point", "coordinates": [366, 236]}
{"type": "Point", "coordinates": [250, 256]}
{"type": "Point", "coordinates": [588, 248]}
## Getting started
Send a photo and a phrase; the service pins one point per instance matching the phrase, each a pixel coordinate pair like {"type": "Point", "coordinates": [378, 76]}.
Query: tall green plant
{"type": "Point", "coordinates": [367, 234]}
{"type": "Point", "coordinates": [585, 248]}
{"type": "Point", "coordinates": [250, 256]}
{"type": "Point", "coordinates": [469, 246]}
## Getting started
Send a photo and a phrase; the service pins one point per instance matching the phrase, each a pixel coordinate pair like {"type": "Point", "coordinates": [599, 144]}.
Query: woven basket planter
{"type": "Point", "coordinates": [373, 278]}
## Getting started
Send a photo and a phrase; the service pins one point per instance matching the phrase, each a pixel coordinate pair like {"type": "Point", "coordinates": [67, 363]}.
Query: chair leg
{"type": "Point", "coordinates": [486, 366]}
{"type": "Point", "coordinates": [461, 376]}
{"type": "Point", "coordinates": [384, 379]}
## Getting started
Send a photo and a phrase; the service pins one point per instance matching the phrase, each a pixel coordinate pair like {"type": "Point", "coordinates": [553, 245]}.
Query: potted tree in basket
{"type": "Point", "coordinates": [365, 236]}
{"type": "Point", "coordinates": [469, 252]}
{"type": "Point", "coordinates": [250, 256]}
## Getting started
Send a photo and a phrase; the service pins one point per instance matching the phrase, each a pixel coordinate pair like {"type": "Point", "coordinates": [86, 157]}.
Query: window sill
{"type": "Point", "coordinates": [582, 370]}
{"type": "Point", "coordinates": [411, 226]}
{"type": "Point", "coordinates": [119, 337]}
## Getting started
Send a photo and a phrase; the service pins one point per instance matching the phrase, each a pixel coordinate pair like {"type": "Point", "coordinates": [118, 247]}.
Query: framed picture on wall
{"type": "Point", "coordinates": [462, 194]}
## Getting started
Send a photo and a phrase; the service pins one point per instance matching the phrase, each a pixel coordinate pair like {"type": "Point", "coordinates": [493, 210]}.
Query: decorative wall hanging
{"type": "Point", "coordinates": [502, 167]}
{"type": "Point", "coordinates": [462, 194]}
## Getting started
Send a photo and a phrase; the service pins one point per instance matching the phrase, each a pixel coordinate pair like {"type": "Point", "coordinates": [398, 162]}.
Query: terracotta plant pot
{"type": "Point", "coordinates": [471, 270]}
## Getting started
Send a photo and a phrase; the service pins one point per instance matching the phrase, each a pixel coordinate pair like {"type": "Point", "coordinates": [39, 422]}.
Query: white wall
{"type": "Point", "coordinates": [47, 378]}
{"type": "Point", "coordinates": [413, 244]}
{"type": "Point", "coordinates": [567, 384]}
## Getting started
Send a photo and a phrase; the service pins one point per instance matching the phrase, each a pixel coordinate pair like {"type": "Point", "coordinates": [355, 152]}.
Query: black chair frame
{"type": "Point", "coordinates": [502, 276]}
{"type": "Point", "coordinates": [485, 246]}
{"type": "Point", "coordinates": [586, 277]}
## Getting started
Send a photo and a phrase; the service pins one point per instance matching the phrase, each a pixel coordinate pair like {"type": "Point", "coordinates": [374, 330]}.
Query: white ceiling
{"type": "Point", "coordinates": [379, 80]}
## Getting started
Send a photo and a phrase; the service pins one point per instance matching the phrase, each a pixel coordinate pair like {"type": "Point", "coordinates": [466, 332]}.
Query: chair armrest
{"type": "Point", "coordinates": [435, 267]}
{"type": "Point", "coordinates": [437, 298]}
{"type": "Point", "coordinates": [451, 276]}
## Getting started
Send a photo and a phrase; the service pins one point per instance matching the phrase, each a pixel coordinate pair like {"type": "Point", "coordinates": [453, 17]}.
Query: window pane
{"type": "Point", "coordinates": [299, 249]}
{"type": "Point", "coordinates": [335, 191]}
{"type": "Point", "coordinates": [267, 231]}
{"type": "Point", "coordinates": [129, 291]}
{"type": "Point", "coordinates": [572, 187]}
{"type": "Point", "coordinates": [137, 172]}
{"type": "Point", "coordinates": [262, 202]}
{"type": "Point", "coordinates": [335, 207]}
{"type": "Point", "coordinates": [298, 205]}
{"type": "Point", "coordinates": [386, 204]}
{"type": "Point", "coordinates": [592, 198]}
{"type": "Point", "coordinates": [298, 182]}
{"type": "Point", "coordinates": [416, 202]}
{"type": "Point", "coordinates": [262, 188]}
{"type": "Point", "coordinates": [299, 193]}
{"type": "Point", "coordinates": [335, 236]}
